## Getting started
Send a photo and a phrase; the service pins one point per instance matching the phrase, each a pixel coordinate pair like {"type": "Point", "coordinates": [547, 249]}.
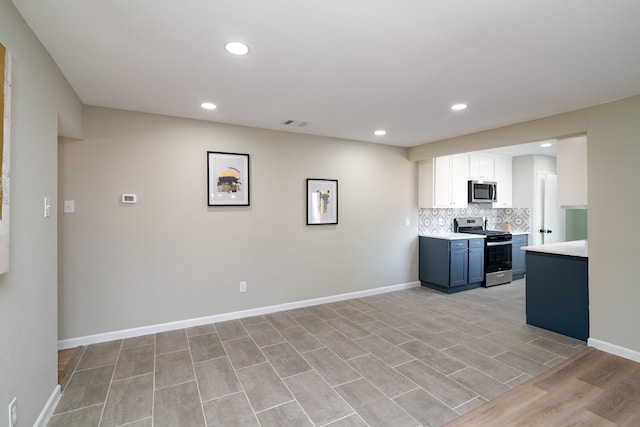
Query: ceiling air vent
{"type": "Point", "coordinates": [295, 123]}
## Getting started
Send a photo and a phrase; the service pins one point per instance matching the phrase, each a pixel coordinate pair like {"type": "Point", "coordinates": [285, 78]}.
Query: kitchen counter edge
{"type": "Point", "coordinates": [453, 236]}
{"type": "Point", "coordinates": [462, 236]}
{"type": "Point", "coordinates": [577, 248]}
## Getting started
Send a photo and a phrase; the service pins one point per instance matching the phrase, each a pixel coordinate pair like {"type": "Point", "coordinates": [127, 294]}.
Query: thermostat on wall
{"type": "Point", "coordinates": [129, 198]}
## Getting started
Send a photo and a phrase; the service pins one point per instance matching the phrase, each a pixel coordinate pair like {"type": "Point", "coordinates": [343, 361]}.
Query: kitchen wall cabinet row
{"type": "Point", "coordinates": [443, 180]}
{"type": "Point", "coordinates": [451, 265]}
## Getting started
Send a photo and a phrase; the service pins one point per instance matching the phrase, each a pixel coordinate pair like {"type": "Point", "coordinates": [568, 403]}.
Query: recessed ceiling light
{"type": "Point", "coordinates": [380, 132]}
{"type": "Point", "coordinates": [545, 145]}
{"type": "Point", "coordinates": [236, 48]}
{"type": "Point", "coordinates": [458, 107]}
{"type": "Point", "coordinates": [208, 106]}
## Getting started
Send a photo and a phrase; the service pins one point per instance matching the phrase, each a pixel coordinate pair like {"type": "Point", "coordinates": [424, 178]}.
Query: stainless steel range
{"type": "Point", "coordinates": [497, 250]}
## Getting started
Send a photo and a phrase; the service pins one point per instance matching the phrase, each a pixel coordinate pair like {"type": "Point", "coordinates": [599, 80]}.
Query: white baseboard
{"type": "Point", "coordinates": [48, 409]}
{"type": "Point", "coordinates": [163, 327]}
{"type": "Point", "coordinates": [614, 349]}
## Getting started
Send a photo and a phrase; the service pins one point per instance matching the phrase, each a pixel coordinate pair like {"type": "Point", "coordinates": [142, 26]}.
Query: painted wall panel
{"type": "Point", "coordinates": [170, 257]}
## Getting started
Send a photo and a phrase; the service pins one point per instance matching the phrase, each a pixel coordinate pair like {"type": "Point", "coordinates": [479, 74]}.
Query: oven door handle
{"type": "Point", "coordinates": [498, 243]}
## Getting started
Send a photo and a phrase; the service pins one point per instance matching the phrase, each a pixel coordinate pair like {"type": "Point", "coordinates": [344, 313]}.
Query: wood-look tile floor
{"type": "Point", "coordinates": [67, 360]}
{"type": "Point", "coordinates": [408, 358]}
{"type": "Point", "coordinates": [593, 388]}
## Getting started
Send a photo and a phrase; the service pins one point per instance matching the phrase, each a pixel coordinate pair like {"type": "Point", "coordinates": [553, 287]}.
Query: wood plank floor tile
{"type": "Point", "coordinates": [593, 388]}
{"type": "Point", "coordinates": [621, 399]}
{"type": "Point", "coordinates": [556, 407]}
{"type": "Point", "coordinates": [67, 361]}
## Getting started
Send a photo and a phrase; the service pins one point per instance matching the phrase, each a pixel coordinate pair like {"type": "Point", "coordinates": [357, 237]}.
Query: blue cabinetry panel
{"type": "Point", "coordinates": [476, 261]}
{"type": "Point", "coordinates": [518, 259]}
{"type": "Point", "coordinates": [458, 267]}
{"type": "Point", "coordinates": [557, 293]}
{"type": "Point", "coordinates": [451, 265]}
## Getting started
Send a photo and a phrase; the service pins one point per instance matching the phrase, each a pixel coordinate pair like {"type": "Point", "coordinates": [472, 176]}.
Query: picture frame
{"type": "Point", "coordinates": [227, 179]}
{"type": "Point", "coordinates": [322, 201]}
{"type": "Point", "coordinates": [5, 155]}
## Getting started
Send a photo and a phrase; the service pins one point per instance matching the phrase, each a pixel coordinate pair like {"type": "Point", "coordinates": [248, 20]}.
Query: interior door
{"type": "Point", "coordinates": [552, 217]}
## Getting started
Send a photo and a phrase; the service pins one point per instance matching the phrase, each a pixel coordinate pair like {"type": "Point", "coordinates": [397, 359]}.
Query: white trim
{"type": "Point", "coordinates": [627, 353]}
{"type": "Point", "coordinates": [163, 327]}
{"type": "Point", "coordinates": [48, 409]}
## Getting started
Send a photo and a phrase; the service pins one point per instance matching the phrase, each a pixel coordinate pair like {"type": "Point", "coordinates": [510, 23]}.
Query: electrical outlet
{"type": "Point", "coordinates": [243, 286]}
{"type": "Point", "coordinates": [407, 221]}
{"type": "Point", "coordinates": [13, 412]}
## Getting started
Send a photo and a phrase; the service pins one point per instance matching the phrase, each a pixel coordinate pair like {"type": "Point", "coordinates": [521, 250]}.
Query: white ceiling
{"type": "Point", "coordinates": [348, 67]}
{"type": "Point", "coordinates": [526, 149]}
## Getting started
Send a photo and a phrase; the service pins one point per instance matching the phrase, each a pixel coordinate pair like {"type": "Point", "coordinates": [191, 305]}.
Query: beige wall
{"type": "Point", "coordinates": [171, 258]}
{"type": "Point", "coordinates": [562, 125]}
{"type": "Point", "coordinates": [28, 292]}
{"type": "Point", "coordinates": [613, 145]}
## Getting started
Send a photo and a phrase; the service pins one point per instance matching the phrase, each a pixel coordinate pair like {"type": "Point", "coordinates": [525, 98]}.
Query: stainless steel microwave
{"type": "Point", "coordinates": [483, 192]}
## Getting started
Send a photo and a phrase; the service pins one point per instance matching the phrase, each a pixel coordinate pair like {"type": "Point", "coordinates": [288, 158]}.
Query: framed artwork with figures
{"type": "Point", "coordinates": [322, 201]}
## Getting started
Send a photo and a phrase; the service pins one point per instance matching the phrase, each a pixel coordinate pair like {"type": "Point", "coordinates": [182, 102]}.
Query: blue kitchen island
{"type": "Point", "coordinates": [557, 288]}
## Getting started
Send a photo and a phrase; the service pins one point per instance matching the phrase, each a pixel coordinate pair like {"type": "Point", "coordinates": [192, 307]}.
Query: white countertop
{"type": "Point", "coordinates": [453, 236]}
{"type": "Point", "coordinates": [458, 236]}
{"type": "Point", "coordinates": [577, 248]}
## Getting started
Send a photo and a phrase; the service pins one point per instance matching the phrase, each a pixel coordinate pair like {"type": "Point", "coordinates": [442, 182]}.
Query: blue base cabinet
{"type": "Point", "coordinates": [518, 259]}
{"type": "Point", "coordinates": [476, 261]}
{"type": "Point", "coordinates": [451, 265]}
{"type": "Point", "coordinates": [557, 293]}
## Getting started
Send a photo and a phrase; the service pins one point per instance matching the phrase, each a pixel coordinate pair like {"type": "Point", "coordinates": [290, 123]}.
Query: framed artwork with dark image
{"type": "Point", "coordinates": [227, 179]}
{"type": "Point", "coordinates": [322, 201]}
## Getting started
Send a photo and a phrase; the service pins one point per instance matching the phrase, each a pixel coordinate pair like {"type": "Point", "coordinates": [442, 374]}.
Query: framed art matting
{"type": "Point", "coordinates": [322, 201]}
{"type": "Point", "coordinates": [227, 179]}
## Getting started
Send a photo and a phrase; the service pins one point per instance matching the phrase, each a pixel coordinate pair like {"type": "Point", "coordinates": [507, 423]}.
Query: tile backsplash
{"type": "Point", "coordinates": [434, 221]}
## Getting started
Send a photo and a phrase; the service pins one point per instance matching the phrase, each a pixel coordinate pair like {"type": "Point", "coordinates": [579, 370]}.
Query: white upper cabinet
{"type": "Point", "coordinates": [503, 176]}
{"type": "Point", "coordinates": [481, 167]}
{"type": "Point", "coordinates": [443, 182]}
{"type": "Point", "coordinates": [571, 166]}
{"type": "Point", "coordinates": [459, 178]}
